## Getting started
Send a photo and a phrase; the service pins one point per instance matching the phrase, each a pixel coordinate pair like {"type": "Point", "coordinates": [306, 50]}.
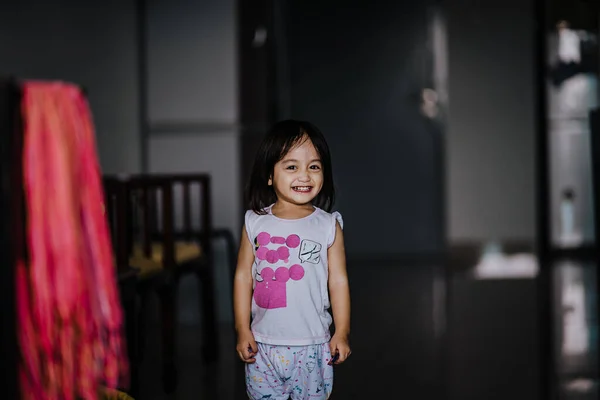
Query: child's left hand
{"type": "Point", "coordinates": [339, 344]}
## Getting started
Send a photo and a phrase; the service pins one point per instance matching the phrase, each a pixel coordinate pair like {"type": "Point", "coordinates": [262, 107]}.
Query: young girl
{"type": "Point", "coordinates": [291, 261]}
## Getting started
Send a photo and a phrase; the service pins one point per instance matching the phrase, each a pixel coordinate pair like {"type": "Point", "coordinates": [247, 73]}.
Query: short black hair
{"type": "Point", "coordinates": [280, 139]}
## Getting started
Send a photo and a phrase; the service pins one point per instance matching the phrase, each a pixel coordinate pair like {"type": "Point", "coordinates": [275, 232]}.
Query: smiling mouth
{"type": "Point", "coordinates": [302, 189]}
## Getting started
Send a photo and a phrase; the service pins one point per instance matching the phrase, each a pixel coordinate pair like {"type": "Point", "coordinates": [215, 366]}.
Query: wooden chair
{"type": "Point", "coordinates": [161, 256]}
{"type": "Point", "coordinates": [115, 192]}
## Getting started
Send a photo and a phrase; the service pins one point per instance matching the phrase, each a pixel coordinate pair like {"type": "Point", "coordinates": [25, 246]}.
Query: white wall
{"type": "Point", "coordinates": [490, 146]}
{"type": "Point", "coordinates": [91, 43]}
{"type": "Point", "coordinates": [193, 96]}
{"type": "Point", "coordinates": [192, 61]}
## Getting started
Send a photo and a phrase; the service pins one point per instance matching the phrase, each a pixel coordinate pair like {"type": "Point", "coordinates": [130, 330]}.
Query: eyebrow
{"type": "Point", "coordinates": [293, 160]}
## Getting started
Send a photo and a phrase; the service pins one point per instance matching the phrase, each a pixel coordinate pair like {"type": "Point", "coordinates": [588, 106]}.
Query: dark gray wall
{"type": "Point", "coordinates": [358, 80]}
{"type": "Point", "coordinates": [91, 43]}
{"type": "Point", "coordinates": [356, 71]}
{"type": "Point", "coordinates": [359, 88]}
{"type": "Point", "coordinates": [490, 133]}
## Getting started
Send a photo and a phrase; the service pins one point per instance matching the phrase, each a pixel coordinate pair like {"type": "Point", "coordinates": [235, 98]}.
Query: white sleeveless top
{"type": "Point", "coordinates": [290, 299]}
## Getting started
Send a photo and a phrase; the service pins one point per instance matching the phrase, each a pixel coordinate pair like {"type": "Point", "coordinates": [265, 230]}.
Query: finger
{"type": "Point", "coordinates": [332, 348]}
{"type": "Point", "coordinates": [247, 352]}
{"type": "Point", "coordinates": [344, 356]}
{"type": "Point", "coordinates": [250, 356]}
{"type": "Point", "coordinates": [250, 353]}
{"type": "Point", "coordinates": [253, 346]}
{"type": "Point", "coordinates": [334, 358]}
{"type": "Point", "coordinates": [246, 358]}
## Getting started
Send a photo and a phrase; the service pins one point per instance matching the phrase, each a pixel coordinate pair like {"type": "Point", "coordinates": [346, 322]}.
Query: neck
{"type": "Point", "coordinates": [290, 210]}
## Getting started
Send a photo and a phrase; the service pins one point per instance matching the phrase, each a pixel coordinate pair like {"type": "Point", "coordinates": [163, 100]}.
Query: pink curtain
{"type": "Point", "coordinates": [69, 315]}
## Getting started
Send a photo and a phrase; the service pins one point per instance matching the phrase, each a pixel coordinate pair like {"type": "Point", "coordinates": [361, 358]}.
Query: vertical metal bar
{"type": "Point", "coordinates": [544, 278]}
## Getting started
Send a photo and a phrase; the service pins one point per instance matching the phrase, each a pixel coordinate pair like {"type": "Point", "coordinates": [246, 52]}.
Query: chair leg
{"type": "Point", "coordinates": [142, 319]}
{"type": "Point", "coordinates": [232, 263]}
{"type": "Point", "coordinates": [230, 245]}
{"type": "Point", "coordinates": [167, 296]}
{"type": "Point", "coordinates": [210, 340]}
{"type": "Point", "coordinates": [131, 334]}
{"type": "Point", "coordinates": [127, 291]}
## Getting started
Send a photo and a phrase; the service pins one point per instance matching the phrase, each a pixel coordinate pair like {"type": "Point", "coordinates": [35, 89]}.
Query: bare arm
{"type": "Point", "coordinates": [242, 300]}
{"type": "Point", "coordinates": [339, 291]}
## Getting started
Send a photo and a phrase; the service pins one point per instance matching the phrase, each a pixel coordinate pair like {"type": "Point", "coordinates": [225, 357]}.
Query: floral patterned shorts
{"type": "Point", "coordinates": [296, 372]}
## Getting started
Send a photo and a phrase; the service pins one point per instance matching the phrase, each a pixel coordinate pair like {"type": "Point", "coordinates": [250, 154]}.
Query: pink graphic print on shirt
{"type": "Point", "coordinates": [270, 291]}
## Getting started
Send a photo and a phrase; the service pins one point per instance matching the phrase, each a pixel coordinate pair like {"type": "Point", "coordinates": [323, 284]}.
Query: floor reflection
{"type": "Point", "coordinates": [576, 327]}
{"type": "Point", "coordinates": [492, 342]}
{"type": "Point", "coordinates": [396, 348]}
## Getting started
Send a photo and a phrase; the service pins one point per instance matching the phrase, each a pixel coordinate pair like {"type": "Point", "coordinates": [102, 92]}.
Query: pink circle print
{"type": "Point", "coordinates": [296, 272]}
{"type": "Point", "coordinates": [261, 253]}
{"type": "Point", "coordinates": [263, 238]}
{"type": "Point", "coordinates": [267, 274]}
{"type": "Point", "coordinates": [293, 241]}
{"type": "Point", "coordinates": [283, 253]}
{"type": "Point", "coordinates": [282, 274]}
{"type": "Point", "coordinates": [272, 257]}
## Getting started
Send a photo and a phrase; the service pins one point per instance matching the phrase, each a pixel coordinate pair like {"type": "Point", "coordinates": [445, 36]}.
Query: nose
{"type": "Point", "coordinates": [304, 177]}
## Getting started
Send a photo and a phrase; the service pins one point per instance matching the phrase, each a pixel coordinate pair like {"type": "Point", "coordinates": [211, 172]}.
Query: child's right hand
{"type": "Point", "coordinates": [246, 347]}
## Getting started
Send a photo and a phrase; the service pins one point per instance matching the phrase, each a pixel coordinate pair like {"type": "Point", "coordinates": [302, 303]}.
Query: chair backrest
{"type": "Point", "coordinates": [144, 190]}
{"type": "Point", "coordinates": [187, 182]}
{"type": "Point", "coordinates": [144, 211]}
{"type": "Point", "coordinates": [115, 209]}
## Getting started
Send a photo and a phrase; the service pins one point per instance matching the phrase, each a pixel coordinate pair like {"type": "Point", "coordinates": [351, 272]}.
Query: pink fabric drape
{"type": "Point", "coordinates": [69, 315]}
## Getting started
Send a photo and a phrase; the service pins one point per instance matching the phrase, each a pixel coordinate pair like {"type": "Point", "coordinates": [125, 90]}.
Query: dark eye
{"type": "Point", "coordinates": [291, 167]}
{"type": "Point", "coordinates": [315, 167]}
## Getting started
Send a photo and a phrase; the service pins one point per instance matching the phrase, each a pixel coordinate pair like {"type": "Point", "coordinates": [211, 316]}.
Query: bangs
{"type": "Point", "coordinates": [293, 141]}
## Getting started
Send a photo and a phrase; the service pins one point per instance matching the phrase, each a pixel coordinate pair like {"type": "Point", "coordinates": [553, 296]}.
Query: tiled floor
{"type": "Point", "coordinates": [394, 351]}
{"type": "Point", "coordinates": [196, 380]}
{"type": "Point", "coordinates": [396, 339]}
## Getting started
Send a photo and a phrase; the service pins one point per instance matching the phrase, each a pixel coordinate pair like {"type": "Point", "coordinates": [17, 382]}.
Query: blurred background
{"type": "Point", "coordinates": [465, 146]}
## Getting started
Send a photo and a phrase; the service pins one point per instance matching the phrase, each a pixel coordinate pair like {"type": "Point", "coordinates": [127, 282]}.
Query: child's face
{"type": "Point", "coordinates": [298, 177]}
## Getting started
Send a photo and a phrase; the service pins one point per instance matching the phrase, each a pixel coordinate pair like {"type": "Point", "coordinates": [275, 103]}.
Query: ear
{"type": "Point", "coordinates": [270, 182]}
